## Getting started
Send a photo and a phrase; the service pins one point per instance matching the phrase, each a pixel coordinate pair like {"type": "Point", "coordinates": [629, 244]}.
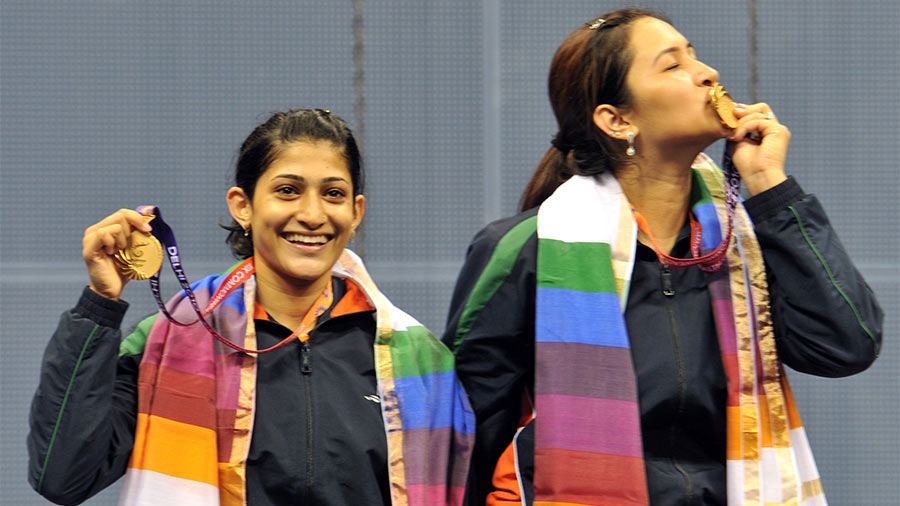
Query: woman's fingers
{"type": "Point", "coordinates": [741, 110]}
{"type": "Point", "coordinates": [758, 128]}
{"type": "Point", "coordinates": [128, 218]}
{"type": "Point", "coordinates": [756, 119]}
{"type": "Point", "coordinates": [101, 242]}
{"type": "Point", "coordinates": [113, 238]}
{"type": "Point", "coordinates": [759, 147]}
{"type": "Point", "coordinates": [111, 233]}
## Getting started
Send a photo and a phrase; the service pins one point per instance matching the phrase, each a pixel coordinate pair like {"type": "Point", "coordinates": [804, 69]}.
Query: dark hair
{"type": "Point", "coordinates": [270, 138]}
{"type": "Point", "coordinates": [588, 70]}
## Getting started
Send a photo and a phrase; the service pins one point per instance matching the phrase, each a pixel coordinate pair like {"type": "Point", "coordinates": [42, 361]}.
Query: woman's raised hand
{"type": "Point", "coordinates": [101, 241]}
{"type": "Point", "coordinates": [759, 147]}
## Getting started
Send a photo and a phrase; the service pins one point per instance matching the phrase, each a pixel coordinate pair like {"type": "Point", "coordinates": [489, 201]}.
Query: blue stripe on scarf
{"type": "Point", "coordinates": [565, 316]}
{"type": "Point", "coordinates": [712, 233]}
{"type": "Point", "coordinates": [209, 284]}
{"type": "Point", "coordinates": [443, 392]}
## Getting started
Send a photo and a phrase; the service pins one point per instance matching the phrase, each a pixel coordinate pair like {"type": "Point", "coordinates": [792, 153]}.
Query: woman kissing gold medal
{"type": "Point", "coordinates": [723, 104]}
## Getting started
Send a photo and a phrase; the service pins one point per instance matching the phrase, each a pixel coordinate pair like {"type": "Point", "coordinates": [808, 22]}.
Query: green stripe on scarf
{"type": "Point", "coordinates": [699, 192]}
{"type": "Point", "coordinates": [414, 347]}
{"type": "Point", "coordinates": [571, 265]}
{"type": "Point", "coordinates": [136, 341]}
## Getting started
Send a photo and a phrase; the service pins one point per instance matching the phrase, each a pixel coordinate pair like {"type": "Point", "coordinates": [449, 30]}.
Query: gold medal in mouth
{"type": "Point", "coordinates": [723, 104]}
{"type": "Point", "coordinates": [142, 258]}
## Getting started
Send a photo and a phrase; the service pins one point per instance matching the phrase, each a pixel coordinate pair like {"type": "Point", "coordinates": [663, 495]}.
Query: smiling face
{"type": "Point", "coordinates": [669, 86]}
{"type": "Point", "coordinates": [301, 215]}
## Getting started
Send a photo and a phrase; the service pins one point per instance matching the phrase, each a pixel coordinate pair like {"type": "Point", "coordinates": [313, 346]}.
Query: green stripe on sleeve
{"type": "Point", "coordinates": [495, 273]}
{"type": "Point", "coordinates": [573, 266]}
{"type": "Point", "coordinates": [62, 407]}
{"type": "Point", "coordinates": [834, 283]}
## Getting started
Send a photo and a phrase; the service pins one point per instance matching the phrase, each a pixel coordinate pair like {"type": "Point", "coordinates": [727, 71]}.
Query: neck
{"type": "Point", "coordinates": [287, 302]}
{"type": "Point", "coordinates": [660, 189]}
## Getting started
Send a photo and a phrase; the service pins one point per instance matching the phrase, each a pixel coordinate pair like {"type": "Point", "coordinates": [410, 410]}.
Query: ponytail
{"type": "Point", "coordinates": [552, 171]}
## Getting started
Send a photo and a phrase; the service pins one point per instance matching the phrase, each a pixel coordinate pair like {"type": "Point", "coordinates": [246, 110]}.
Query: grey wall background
{"type": "Point", "coordinates": [115, 103]}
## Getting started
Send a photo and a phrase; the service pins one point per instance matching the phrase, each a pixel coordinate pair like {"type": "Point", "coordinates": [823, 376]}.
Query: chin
{"type": "Point", "coordinates": [306, 273]}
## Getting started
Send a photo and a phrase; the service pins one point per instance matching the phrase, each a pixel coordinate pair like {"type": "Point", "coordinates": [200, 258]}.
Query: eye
{"type": "Point", "coordinates": [286, 190]}
{"type": "Point", "coordinates": [673, 66]}
{"type": "Point", "coordinates": [335, 193]}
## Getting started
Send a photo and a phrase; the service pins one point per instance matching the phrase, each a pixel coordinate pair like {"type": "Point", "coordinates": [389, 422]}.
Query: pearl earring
{"type": "Point", "coordinates": [630, 151]}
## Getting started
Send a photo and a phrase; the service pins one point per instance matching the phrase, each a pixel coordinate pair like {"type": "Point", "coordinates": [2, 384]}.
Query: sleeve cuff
{"type": "Point", "coordinates": [100, 310]}
{"type": "Point", "coordinates": [768, 203]}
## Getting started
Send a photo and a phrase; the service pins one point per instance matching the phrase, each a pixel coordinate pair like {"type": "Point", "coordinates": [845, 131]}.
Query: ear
{"type": "Point", "coordinates": [359, 210]}
{"type": "Point", "coordinates": [239, 206]}
{"type": "Point", "coordinates": [613, 121]}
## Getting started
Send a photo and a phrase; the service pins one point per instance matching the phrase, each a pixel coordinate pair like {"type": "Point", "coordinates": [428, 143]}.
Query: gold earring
{"type": "Point", "coordinates": [247, 231]}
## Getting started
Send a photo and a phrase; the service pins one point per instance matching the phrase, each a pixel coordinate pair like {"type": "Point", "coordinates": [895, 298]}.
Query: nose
{"type": "Point", "coordinates": [706, 75]}
{"type": "Point", "coordinates": [310, 212]}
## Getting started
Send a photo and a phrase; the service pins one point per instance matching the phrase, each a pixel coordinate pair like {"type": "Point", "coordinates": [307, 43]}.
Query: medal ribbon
{"type": "Point", "coordinates": [240, 274]}
{"type": "Point", "coordinates": [712, 261]}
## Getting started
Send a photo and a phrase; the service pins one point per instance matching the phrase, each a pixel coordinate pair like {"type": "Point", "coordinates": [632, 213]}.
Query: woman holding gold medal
{"type": "Point", "coordinates": [622, 339]}
{"type": "Point", "coordinates": [288, 379]}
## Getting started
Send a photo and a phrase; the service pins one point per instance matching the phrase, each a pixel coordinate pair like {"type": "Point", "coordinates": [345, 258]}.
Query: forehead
{"type": "Point", "coordinates": [649, 36]}
{"type": "Point", "coordinates": [309, 158]}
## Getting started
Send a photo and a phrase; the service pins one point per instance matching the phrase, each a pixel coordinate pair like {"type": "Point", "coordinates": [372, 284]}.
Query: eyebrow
{"type": "Point", "coordinates": [673, 49]}
{"type": "Point", "coordinates": [301, 179]}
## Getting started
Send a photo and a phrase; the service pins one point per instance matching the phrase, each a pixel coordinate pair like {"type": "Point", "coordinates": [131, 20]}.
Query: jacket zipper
{"type": "Point", "coordinates": [306, 369]}
{"type": "Point", "coordinates": [666, 282]}
{"type": "Point", "coordinates": [669, 291]}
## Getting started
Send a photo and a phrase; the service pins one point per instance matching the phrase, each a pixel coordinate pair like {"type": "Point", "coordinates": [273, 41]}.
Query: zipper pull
{"type": "Point", "coordinates": [666, 278]}
{"type": "Point", "coordinates": [305, 366]}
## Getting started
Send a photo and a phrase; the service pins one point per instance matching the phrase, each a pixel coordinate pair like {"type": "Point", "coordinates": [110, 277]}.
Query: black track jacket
{"type": "Point", "coordinates": [318, 435]}
{"type": "Point", "coordinates": [826, 321]}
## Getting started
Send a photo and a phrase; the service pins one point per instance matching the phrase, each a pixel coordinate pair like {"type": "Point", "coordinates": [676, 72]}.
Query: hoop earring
{"type": "Point", "coordinates": [630, 137]}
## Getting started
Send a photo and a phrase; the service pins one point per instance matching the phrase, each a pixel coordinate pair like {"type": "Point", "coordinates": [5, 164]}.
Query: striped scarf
{"type": "Point", "coordinates": [588, 434]}
{"type": "Point", "coordinates": [196, 403]}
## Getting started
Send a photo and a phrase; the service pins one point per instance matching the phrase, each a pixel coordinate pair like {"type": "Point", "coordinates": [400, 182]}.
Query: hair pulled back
{"type": "Point", "coordinates": [588, 70]}
{"type": "Point", "coordinates": [271, 138]}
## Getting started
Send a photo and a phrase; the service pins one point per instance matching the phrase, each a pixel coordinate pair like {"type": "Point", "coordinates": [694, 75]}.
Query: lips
{"type": "Point", "coordinates": [306, 239]}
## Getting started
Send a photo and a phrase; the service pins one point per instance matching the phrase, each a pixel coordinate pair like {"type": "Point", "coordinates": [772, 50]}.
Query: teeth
{"type": "Point", "coordinates": [306, 239]}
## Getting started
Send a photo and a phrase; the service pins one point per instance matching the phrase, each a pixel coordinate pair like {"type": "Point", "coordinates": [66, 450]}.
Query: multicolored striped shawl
{"type": "Point", "coordinates": [588, 434]}
{"type": "Point", "coordinates": [196, 402]}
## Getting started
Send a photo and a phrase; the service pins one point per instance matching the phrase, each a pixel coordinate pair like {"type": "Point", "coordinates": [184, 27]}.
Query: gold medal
{"type": "Point", "coordinates": [723, 104]}
{"type": "Point", "coordinates": [143, 256]}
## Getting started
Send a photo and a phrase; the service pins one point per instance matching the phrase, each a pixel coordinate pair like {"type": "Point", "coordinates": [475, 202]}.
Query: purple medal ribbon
{"type": "Point", "coordinates": [162, 231]}
{"type": "Point", "coordinates": [732, 189]}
